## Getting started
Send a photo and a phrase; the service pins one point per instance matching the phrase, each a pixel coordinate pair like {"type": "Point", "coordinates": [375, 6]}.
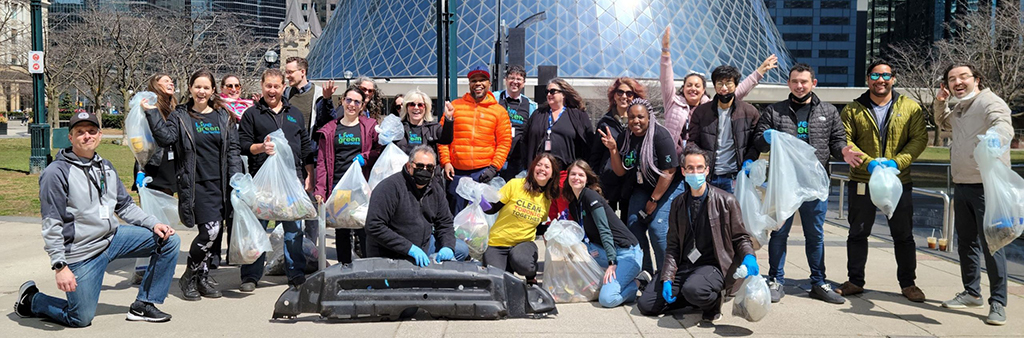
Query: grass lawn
{"type": "Point", "coordinates": [941, 155]}
{"type": "Point", "coordinates": [19, 191]}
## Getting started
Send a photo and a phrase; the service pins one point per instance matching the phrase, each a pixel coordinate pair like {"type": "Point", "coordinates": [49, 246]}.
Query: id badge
{"type": "Point", "coordinates": [547, 145]}
{"type": "Point", "coordinates": [694, 255]}
{"type": "Point", "coordinates": [170, 155]}
{"type": "Point", "coordinates": [861, 189]}
{"type": "Point", "coordinates": [105, 213]}
{"type": "Point", "coordinates": [639, 177]}
{"type": "Point", "coordinates": [513, 131]}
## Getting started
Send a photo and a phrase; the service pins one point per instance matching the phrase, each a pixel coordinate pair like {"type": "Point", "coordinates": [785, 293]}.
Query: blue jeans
{"type": "Point", "coordinates": [812, 215]}
{"type": "Point", "coordinates": [623, 290]}
{"type": "Point", "coordinates": [723, 182]}
{"type": "Point", "coordinates": [461, 249]}
{"type": "Point", "coordinates": [295, 262]}
{"type": "Point", "coordinates": [657, 225]}
{"type": "Point", "coordinates": [128, 242]}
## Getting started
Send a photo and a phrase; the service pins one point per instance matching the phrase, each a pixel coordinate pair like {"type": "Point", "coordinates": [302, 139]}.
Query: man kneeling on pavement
{"type": "Point", "coordinates": [81, 198]}
{"type": "Point", "coordinates": [409, 210]}
{"type": "Point", "coordinates": [698, 267]}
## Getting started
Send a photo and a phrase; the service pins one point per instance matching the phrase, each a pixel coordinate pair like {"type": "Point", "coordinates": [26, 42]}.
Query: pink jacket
{"type": "Point", "coordinates": [677, 111]}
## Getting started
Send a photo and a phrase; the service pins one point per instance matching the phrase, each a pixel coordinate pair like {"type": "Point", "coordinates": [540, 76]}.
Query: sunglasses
{"type": "Point", "coordinates": [553, 91]}
{"type": "Point", "coordinates": [620, 92]}
{"type": "Point", "coordinates": [233, 85]}
{"type": "Point", "coordinates": [352, 102]}
{"type": "Point", "coordinates": [422, 166]}
{"type": "Point", "coordinates": [883, 76]}
{"type": "Point", "coordinates": [368, 90]}
{"type": "Point", "coordinates": [415, 104]}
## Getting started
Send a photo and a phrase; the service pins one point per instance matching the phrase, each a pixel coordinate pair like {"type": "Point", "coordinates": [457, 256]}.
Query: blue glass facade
{"type": "Point", "coordinates": [585, 39]}
{"type": "Point", "coordinates": [823, 34]}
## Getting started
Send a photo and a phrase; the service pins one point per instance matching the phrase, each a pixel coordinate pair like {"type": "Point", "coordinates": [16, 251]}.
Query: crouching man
{"type": "Point", "coordinates": [81, 198]}
{"type": "Point", "coordinates": [698, 266]}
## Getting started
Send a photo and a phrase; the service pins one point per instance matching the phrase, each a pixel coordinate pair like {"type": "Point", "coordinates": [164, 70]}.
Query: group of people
{"type": "Point", "coordinates": [636, 182]}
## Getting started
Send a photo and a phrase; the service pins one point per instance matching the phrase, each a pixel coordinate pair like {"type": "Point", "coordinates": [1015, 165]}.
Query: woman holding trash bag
{"type": "Point", "coordinates": [620, 94]}
{"type": "Point", "coordinates": [524, 204]}
{"type": "Point", "coordinates": [647, 160]}
{"type": "Point", "coordinates": [619, 251]}
{"type": "Point", "coordinates": [204, 140]}
{"type": "Point", "coordinates": [350, 137]}
{"type": "Point", "coordinates": [420, 127]}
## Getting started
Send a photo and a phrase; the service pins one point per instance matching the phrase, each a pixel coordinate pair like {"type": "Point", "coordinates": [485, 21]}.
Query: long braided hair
{"type": "Point", "coordinates": [648, 161]}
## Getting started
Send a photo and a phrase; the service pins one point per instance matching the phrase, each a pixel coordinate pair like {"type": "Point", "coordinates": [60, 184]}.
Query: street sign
{"type": "Point", "coordinates": [35, 62]}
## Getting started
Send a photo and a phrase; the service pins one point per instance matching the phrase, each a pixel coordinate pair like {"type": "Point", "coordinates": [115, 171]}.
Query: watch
{"type": "Point", "coordinates": [58, 266]}
{"type": "Point", "coordinates": [653, 200]}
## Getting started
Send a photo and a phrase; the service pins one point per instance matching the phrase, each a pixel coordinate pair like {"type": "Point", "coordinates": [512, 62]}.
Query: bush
{"type": "Point", "coordinates": [113, 121]}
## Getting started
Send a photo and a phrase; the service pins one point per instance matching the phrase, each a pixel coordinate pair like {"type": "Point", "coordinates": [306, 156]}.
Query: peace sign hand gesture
{"type": "Point", "coordinates": [607, 139]}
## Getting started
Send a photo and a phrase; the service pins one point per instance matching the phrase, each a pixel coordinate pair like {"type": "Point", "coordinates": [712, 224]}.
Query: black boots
{"type": "Point", "coordinates": [196, 284]}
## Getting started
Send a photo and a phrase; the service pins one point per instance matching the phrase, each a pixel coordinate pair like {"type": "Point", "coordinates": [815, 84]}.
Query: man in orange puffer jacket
{"type": "Point", "coordinates": [483, 136]}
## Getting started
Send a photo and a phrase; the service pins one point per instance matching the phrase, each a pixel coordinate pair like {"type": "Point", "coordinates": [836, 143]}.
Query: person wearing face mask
{"type": "Point", "coordinates": [420, 127]}
{"type": "Point", "coordinates": [620, 94]}
{"type": "Point", "coordinates": [977, 112]}
{"type": "Point", "coordinates": [202, 134]}
{"type": "Point", "coordinates": [618, 251]}
{"type": "Point", "coordinates": [680, 103]}
{"type": "Point", "coordinates": [519, 108]}
{"type": "Point", "coordinates": [647, 162]}
{"type": "Point", "coordinates": [409, 208]}
{"type": "Point", "coordinates": [351, 136]}
{"type": "Point", "coordinates": [883, 128]}
{"type": "Point", "coordinates": [802, 115]}
{"type": "Point", "coordinates": [724, 127]}
{"type": "Point", "coordinates": [706, 244]}
{"type": "Point", "coordinates": [523, 206]}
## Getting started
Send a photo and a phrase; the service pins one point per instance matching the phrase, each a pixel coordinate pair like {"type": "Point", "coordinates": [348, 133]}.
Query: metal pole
{"type": "Point", "coordinates": [453, 61]}
{"type": "Point", "coordinates": [39, 130]}
{"type": "Point", "coordinates": [441, 85]}
{"type": "Point", "coordinates": [842, 198]}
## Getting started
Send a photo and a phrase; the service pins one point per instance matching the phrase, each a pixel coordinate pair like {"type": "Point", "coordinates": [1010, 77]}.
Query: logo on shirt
{"type": "Point", "coordinates": [207, 128]}
{"type": "Point", "coordinates": [801, 130]}
{"type": "Point", "coordinates": [348, 139]}
{"type": "Point", "coordinates": [514, 117]}
{"type": "Point", "coordinates": [415, 138]}
{"type": "Point", "coordinates": [292, 119]}
{"type": "Point", "coordinates": [629, 160]}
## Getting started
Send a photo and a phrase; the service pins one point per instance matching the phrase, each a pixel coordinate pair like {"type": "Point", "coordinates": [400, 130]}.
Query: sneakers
{"type": "Point", "coordinates": [849, 289]}
{"type": "Point", "coordinates": [824, 292]}
{"type": "Point", "coordinates": [146, 312]}
{"type": "Point", "coordinates": [644, 278]}
{"type": "Point", "coordinates": [247, 287]}
{"type": "Point", "coordinates": [996, 314]}
{"type": "Point", "coordinates": [914, 294]}
{"type": "Point", "coordinates": [23, 307]}
{"type": "Point", "coordinates": [963, 300]}
{"type": "Point", "coordinates": [776, 291]}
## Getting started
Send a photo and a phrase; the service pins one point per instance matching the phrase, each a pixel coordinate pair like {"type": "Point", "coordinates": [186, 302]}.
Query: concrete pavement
{"type": "Point", "coordinates": [881, 311]}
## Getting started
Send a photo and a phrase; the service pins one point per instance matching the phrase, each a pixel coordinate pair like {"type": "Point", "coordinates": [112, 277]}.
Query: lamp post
{"type": "Point", "coordinates": [348, 78]}
{"type": "Point", "coordinates": [39, 130]}
{"type": "Point", "coordinates": [270, 57]}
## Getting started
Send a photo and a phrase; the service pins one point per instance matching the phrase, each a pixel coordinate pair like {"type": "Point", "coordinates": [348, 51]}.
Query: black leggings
{"type": "Point", "coordinates": [199, 251]}
{"type": "Point", "coordinates": [343, 243]}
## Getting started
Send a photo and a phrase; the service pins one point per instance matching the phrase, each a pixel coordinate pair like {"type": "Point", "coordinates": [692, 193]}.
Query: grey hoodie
{"type": "Point", "coordinates": [79, 199]}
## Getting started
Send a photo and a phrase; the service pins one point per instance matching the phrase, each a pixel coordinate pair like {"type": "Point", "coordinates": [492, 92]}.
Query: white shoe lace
{"type": "Point", "coordinates": [826, 287]}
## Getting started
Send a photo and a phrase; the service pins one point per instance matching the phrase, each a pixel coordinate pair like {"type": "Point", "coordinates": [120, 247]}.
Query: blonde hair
{"type": "Point", "coordinates": [428, 115]}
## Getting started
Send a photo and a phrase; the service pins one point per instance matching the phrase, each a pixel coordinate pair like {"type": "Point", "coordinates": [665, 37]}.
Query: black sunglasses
{"type": "Point", "coordinates": [553, 91]}
{"type": "Point", "coordinates": [627, 93]}
{"type": "Point", "coordinates": [422, 166]}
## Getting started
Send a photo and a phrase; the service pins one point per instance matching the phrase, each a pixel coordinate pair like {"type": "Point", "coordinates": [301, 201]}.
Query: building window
{"type": "Point", "coordinates": [797, 20]}
{"type": "Point", "coordinates": [834, 20]}
{"type": "Point", "coordinates": [800, 53]}
{"type": "Point", "coordinates": [833, 53]}
{"type": "Point", "coordinates": [833, 37]}
{"type": "Point", "coordinates": [332, 7]}
{"type": "Point", "coordinates": [799, 4]}
{"type": "Point", "coordinates": [833, 70]}
{"type": "Point", "coordinates": [305, 7]}
{"type": "Point", "coordinates": [796, 37]}
{"type": "Point", "coordinates": [836, 4]}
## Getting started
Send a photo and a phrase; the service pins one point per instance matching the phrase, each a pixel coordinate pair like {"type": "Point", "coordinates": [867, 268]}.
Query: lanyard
{"type": "Point", "coordinates": [551, 120]}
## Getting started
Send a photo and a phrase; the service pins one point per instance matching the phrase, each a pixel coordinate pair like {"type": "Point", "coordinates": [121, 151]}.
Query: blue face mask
{"type": "Point", "coordinates": [695, 180]}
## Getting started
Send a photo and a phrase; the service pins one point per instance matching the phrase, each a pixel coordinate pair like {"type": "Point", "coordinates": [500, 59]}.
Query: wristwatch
{"type": "Point", "coordinates": [58, 266]}
{"type": "Point", "coordinates": [653, 200]}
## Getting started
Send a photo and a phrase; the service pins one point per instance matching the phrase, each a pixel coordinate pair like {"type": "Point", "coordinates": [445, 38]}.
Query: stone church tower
{"type": "Point", "coordinates": [298, 31]}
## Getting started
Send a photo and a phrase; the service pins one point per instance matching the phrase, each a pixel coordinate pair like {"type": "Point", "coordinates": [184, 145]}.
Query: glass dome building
{"type": "Point", "coordinates": [584, 38]}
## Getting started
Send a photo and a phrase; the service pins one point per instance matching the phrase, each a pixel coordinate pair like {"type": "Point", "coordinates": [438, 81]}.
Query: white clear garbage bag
{"type": "Point", "coordinates": [349, 201]}
{"type": "Point", "coordinates": [1004, 195]}
{"type": "Point", "coordinates": [757, 223]}
{"type": "Point", "coordinates": [795, 177]}
{"type": "Point", "coordinates": [570, 273]}
{"type": "Point", "coordinates": [390, 162]}
{"type": "Point", "coordinates": [389, 130]}
{"type": "Point", "coordinates": [162, 206]}
{"type": "Point", "coordinates": [248, 238]}
{"type": "Point", "coordinates": [136, 128]}
{"type": "Point", "coordinates": [279, 192]}
{"type": "Point", "coordinates": [472, 225]}
{"type": "Point", "coordinates": [495, 183]}
{"type": "Point", "coordinates": [886, 189]}
{"type": "Point", "coordinates": [753, 299]}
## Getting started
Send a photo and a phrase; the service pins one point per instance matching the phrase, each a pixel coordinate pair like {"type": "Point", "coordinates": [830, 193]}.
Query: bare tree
{"type": "Point", "coordinates": [992, 42]}
{"type": "Point", "coordinates": [919, 72]}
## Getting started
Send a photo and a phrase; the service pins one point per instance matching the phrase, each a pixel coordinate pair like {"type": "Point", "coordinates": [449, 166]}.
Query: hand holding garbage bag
{"type": "Point", "coordinates": [753, 299]}
{"type": "Point", "coordinates": [349, 201]}
{"type": "Point", "coordinates": [885, 185]}
{"type": "Point", "coordinates": [795, 177]}
{"type": "Point", "coordinates": [136, 127]}
{"type": "Point", "coordinates": [1004, 191]}
{"type": "Point", "coordinates": [248, 238]}
{"type": "Point", "coordinates": [280, 194]}
{"type": "Point", "coordinates": [471, 224]}
{"type": "Point", "coordinates": [392, 159]}
{"type": "Point", "coordinates": [757, 223]}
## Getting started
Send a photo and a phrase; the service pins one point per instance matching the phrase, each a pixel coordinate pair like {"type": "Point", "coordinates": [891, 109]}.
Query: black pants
{"type": "Point", "coordinates": [343, 243]}
{"type": "Point", "coordinates": [699, 287]}
{"type": "Point", "coordinates": [521, 258]}
{"type": "Point", "coordinates": [969, 206]}
{"type": "Point", "coordinates": [901, 227]}
{"type": "Point", "coordinates": [199, 252]}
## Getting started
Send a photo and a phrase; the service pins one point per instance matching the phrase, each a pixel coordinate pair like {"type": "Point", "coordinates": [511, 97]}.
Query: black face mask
{"type": "Point", "coordinates": [796, 99]}
{"type": "Point", "coordinates": [725, 98]}
{"type": "Point", "coordinates": [422, 176]}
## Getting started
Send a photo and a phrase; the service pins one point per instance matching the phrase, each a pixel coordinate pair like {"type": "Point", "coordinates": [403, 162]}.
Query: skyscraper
{"type": "Point", "coordinates": [825, 34]}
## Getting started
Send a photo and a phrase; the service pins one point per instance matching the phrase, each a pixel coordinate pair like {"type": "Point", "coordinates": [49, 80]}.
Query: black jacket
{"type": "Point", "coordinates": [824, 127]}
{"type": "Point", "coordinates": [536, 130]}
{"type": "Point", "coordinates": [397, 219]}
{"type": "Point", "coordinates": [433, 134]}
{"type": "Point", "coordinates": [176, 133]}
{"type": "Point", "coordinates": [601, 224]}
{"type": "Point", "coordinates": [703, 131]}
{"type": "Point", "coordinates": [259, 121]}
{"type": "Point", "coordinates": [600, 158]}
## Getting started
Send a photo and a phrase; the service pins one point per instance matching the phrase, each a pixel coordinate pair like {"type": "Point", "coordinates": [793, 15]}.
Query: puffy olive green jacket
{"type": "Point", "coordinates": [905, 135]}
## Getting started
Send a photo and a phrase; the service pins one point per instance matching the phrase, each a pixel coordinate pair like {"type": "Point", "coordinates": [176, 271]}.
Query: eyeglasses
{"type": "Point", "coordinates": [723, 84]}
{"type": "Point", "coordinates": [368, 90]}
{"type": "Point", "coordinates": [626, 93]}
{"type": "Point", "coordinates": [415, 105]}
{"type": "Point", "coordinates": [692, 169]}
{"type": "Point", "coordinates": [423, 166]}
{"type": "Point", "coordinates": [883, 76]}
{"type": "Point", "coordinates": [515, 79]}
{"type": "Point", "coordinates": [553, 91]}
{"type": "Point", "coordinates": [962, 77]}
{"type": "Point", "coordinates": [352, 102]}
{"type": "Point", "coordinates": [233, 85]}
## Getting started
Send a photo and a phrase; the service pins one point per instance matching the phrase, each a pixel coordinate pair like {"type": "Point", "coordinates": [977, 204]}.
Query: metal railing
{"type": "Point", "coordinates": [947, 211]}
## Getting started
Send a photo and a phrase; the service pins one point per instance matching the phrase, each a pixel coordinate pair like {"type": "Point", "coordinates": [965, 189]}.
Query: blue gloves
{"type": "Point", "coordinates": [881, 161]}
{"type": "Point", "coordinates": [746, 165]}
{"type": "Point", "coordinates": [666, 292]}
{"type": "Point", "coordinates": [140, 179]}
{"type": "Point", "coordinates": [446, 254]}
{"type": "Point", "coordinates": [768, 135]}
{"type": "Point", "coordinates": [359, 158]}
{"type": "Point", "coordinates": [421, 257]}
{"type": "Point", "coordinates": [751, 264]}
{"type": "Point", "coordinates": [994, 143]}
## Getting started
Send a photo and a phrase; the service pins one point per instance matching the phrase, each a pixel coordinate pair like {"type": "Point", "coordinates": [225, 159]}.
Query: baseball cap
{"type": "Point", "coordinates": [479, 69]}
{"type": "Point", "coordinates": [83, 117]}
